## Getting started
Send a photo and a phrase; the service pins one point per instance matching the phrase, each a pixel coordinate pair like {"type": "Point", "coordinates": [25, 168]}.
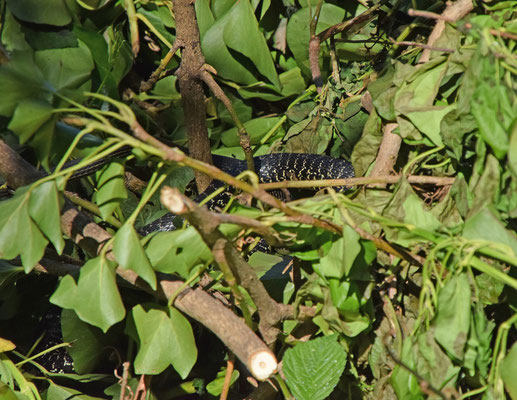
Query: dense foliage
{"type": "Point", "coordinates": [415, 298]}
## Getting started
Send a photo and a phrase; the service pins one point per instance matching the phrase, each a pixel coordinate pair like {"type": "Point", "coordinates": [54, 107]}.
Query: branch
{"type": "Point", "coordinates": [453, 12]}
{"type": "Point", "coordinates": [423, 46]}
{"type": "Point", "coordinates": [148, 84]}
{"type": "Point", "coordinates": [16, 171]}
{"type": "Point", "coordinates": [315, 40]}
{"type": "Point", "coordinates": [361, 181]}
{"type": "Point", "coordinates": [270, 312]}
{"type": "Point", "coordinates": [191, 88]}
{"type": "Point", "coordinates": [244, 137]}
{"type": "Point", "coordinates": [388, 152]}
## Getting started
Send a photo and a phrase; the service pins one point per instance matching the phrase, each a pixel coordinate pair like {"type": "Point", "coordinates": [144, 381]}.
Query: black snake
{"type": "Point", "coordinates": [269, 168]}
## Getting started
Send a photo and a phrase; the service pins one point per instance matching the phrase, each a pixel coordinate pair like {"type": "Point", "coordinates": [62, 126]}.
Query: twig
{"type": "Point", "coordinates": [230, 364]}
{"type": "Point", "coordinates": [429, 15]}
{"type": "Point", "coordinates": [133, 26]}
{"type": "Point", "coordinates": [148, 84]}
{"type": "Point", "coordinates": [141, 389]}
{"type": "Point", "coordinates": [361, 181]}
{"type": "Point", "coordinates": [315, 40]}
{"type": "Point", "coordinates": [424, 46]}
{"type": "Point", "coordinates": [496, 32]}
{"type": "Point", "coordinates": [123, 381]}
{"type": "Point", "coordinates": [506, 35]}
{"type": "Point", "coordinates": [453, 12]}
{"type": "Point", "coordinates": [268, 233]}
{"type": "Point", "coordinates": [244, 137]}
{"type": "Point", "coordinates": [270, 311]}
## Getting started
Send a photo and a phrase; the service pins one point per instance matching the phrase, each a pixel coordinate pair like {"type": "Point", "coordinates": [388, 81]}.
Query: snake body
{"type": "Point", "coordinates": [269, 168]}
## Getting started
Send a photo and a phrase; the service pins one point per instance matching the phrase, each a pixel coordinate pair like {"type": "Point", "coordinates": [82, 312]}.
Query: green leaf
{"type": "Point", "coordinates": [341, 256]}
{"type": "Point", "coordinates": [19, 235]}
{"type": "Point", "coordinates": [43, 141]}
{"type": "Point", "coordinates": [485, 225]}
{"type": "Point", "coordinates": [28, 117]}
{"type": "Point", "coordinates": [177, 251]}
{"type": "Point", "coordinates": [509, 371]}
{"type": "Point", "coordinates": [6, 392]}
{"type": "Point", "coordinates": [95, 298]}
{"type": "Point", "coordinates": [88, 342]}
{"type": "Point", "coordinates": [131, 255]}
{"type": "Point", "coordinates": [221, 37]}
{"type": "Point", "coordinates": [111, 189]}
{"type": "Point", "coordinates": [44, 209]}
{"type": "Point", "coordinates": [452, 321]}
{"type": "Point", "coordinates": [48, 12]}
{"type": "Point", "coordinates": [512, 151]}
{"type": "Point", "coordinates": [215, 387]}
{"type": "Point", "coordinates": [485, 108]}
{"type": "Point", "coordinates": [365, 150]}
{"type": "Point", "coordinates": [20, 79]}
{"type": "Point", "coordinates": [428, 121]}
{"type": "Point", "coordinates": [100, 54]}
{"type": "Point", "coordinates": [6, 345]}
{"type": "Point", "coordinates": [256, 128]}
{"type": "Point", "coordinates": [164, 340]}
{"type": "Point", "coordinates": [68, 67]}
{"type": "Point", "coordinates": [56, 392]}
{"type": "Point", "coordinates": [313, 369]}
{"type": "Point", "coordinates": [420, 87]}
{"type": "Point", "coordinates": [418, 216]}
{"type": "Point", "coordinates": [478, 353]}
{"type": "Point", "coordinates": [311, 135]}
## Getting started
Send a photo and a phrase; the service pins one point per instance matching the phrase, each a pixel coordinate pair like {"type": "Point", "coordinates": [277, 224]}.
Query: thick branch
{"type": "Point", "coordinates": [453, 12]}
{"type": "Point", "coordinates": [16, 171]}
{"type": "Point", "coordinates": [270, 311]}
{"type": "Point", "coordinates": [388, 152]}
{"type": "Point", "coordinates": [193, 97]}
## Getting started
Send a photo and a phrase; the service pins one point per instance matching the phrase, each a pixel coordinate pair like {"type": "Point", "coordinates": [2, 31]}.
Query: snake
{"type": "Point", "coordinates": [277, 167]}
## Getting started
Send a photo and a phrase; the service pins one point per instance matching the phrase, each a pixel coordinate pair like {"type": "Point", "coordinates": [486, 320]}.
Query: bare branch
{"type": "Point", "coordinates": [453, 12]}
{"type": "Point", "coordinates": [244, 137]}
{"type": "Point", "coordinates": [148, 84]}
{"type": "Point", "coordinates": [270, 311]}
